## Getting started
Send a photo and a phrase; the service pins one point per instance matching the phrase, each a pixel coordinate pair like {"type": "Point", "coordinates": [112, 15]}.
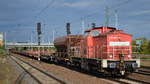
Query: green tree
{"type": "Point", "coordinates": [148, 48]}
{"type": "Point", "coordinates": [144, 46]}
{"type": "Point", "coordinates": [134, 46]}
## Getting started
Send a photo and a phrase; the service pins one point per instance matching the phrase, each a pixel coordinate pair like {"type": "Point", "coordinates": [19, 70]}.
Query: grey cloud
{"type": "Point", "coordinates": [143, 12]}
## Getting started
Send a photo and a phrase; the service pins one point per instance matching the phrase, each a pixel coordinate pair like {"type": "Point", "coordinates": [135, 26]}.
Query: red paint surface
{"type": "Point", "coordinates": [98, 46]}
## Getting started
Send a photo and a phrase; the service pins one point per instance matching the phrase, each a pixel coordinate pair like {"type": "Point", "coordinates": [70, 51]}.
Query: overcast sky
{"type": "Point", "coordinates": [19, 17]}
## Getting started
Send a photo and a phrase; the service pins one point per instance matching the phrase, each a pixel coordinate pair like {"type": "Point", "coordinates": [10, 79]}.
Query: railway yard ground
{"type": "Point", "coordinates": [145, 62]}
{"type": "Point", "coordinates": [6, 72]}
{"type": "Point", "coordinates": [12, 73]}
{"type": "Point", "coordinates": [77, 76]}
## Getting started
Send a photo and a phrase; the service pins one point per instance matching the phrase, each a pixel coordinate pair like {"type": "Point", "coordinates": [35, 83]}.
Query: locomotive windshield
{"type": "Point", "coordinates": [95, 33]}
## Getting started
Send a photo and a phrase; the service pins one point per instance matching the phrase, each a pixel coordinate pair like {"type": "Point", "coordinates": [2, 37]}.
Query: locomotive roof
{"type": "Point", "coordinates": [88, 30]}
{"type": "Point", "coordinates": [115, 32]}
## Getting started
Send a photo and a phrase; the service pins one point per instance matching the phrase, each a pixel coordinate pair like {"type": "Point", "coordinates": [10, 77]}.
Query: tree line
{"type": "Point", "coordinates": [141, 45]}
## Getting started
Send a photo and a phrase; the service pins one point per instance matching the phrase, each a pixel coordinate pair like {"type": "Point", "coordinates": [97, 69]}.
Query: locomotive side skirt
{"type": "Point", "coordinates": [103, 65]}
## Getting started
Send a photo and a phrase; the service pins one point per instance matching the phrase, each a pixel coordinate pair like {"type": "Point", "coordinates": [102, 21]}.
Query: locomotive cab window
{"type": "Point", "coordinates": [95, 33]}
{"type": "Point", "coordinates": [86, 33]}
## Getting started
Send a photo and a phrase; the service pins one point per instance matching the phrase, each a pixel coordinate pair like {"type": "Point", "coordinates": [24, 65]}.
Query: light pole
{"type": "Point", "coordinates": [39, 33]}
{"type": "Point", "coordinates": [83, 27]}
{"type": "Point", "coordinates": [5, 39]}
{"type": "Point", "coordinates": [31, 40]}
{"type": "Point", "coordinates": [53, 35]}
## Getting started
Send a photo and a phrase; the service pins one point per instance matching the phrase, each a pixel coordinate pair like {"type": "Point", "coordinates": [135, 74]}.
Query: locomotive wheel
{"type": "Point", "coordinates": [68, 63]}
{"type": "Point", "coordinates": [85, 66]}
{"type": "Point", "coordinates": [56, 61]}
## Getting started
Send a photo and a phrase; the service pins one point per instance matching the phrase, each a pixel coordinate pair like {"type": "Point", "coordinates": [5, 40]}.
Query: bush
{"type": "Point", "coordinates": [2, 51]}
{"type": "Point", "coordinates": [145, 57]}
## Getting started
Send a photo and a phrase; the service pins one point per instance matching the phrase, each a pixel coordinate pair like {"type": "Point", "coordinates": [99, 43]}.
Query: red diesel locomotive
{"type": "Point", "coordinates": [104, 49]}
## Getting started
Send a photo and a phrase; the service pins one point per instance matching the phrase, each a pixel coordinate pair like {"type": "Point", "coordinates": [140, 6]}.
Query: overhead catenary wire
{"type": "Point", "coordinates": [47, 6]}
{"type": "Point", "coordinates": [37, 16]}
{"type": "Point", "coordinates": [114, 8]}
{"type": "Point", "coordinates": [86, 16]}
{"type": "Point", "coordinates": [50, 3]}
{"type": "Point", "coordinates": [83, 17]}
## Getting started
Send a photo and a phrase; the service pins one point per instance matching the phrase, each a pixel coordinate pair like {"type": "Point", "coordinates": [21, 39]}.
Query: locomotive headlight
{"type": "Point", "coordinates": [112, 65]}
{"type": "Point", "coordinates": [134, 65]}
{"type": "Point", "coordinates": [129, 56]}
{"type": "Point", "coordinates": [110, 56]}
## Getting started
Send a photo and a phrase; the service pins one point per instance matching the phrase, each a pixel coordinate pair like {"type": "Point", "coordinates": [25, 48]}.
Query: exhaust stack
{"type": "Point", "coordinates": [68, 29]}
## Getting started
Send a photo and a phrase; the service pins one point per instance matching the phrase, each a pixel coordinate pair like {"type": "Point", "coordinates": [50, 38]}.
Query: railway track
{"type": "Point", "coordinates": [127, 81]}
{"type": "Point", "coordinates": [143, 72]}
{"type": "Point", "coordinates": [109, 79]}
{"type": "Point", "coordinates": [41, 76]}
{"type": "Point", "coordinates": [137, 81]}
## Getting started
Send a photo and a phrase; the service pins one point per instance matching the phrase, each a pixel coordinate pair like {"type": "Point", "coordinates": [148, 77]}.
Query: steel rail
{"type": "Point", "coordinates": [60, 80]}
